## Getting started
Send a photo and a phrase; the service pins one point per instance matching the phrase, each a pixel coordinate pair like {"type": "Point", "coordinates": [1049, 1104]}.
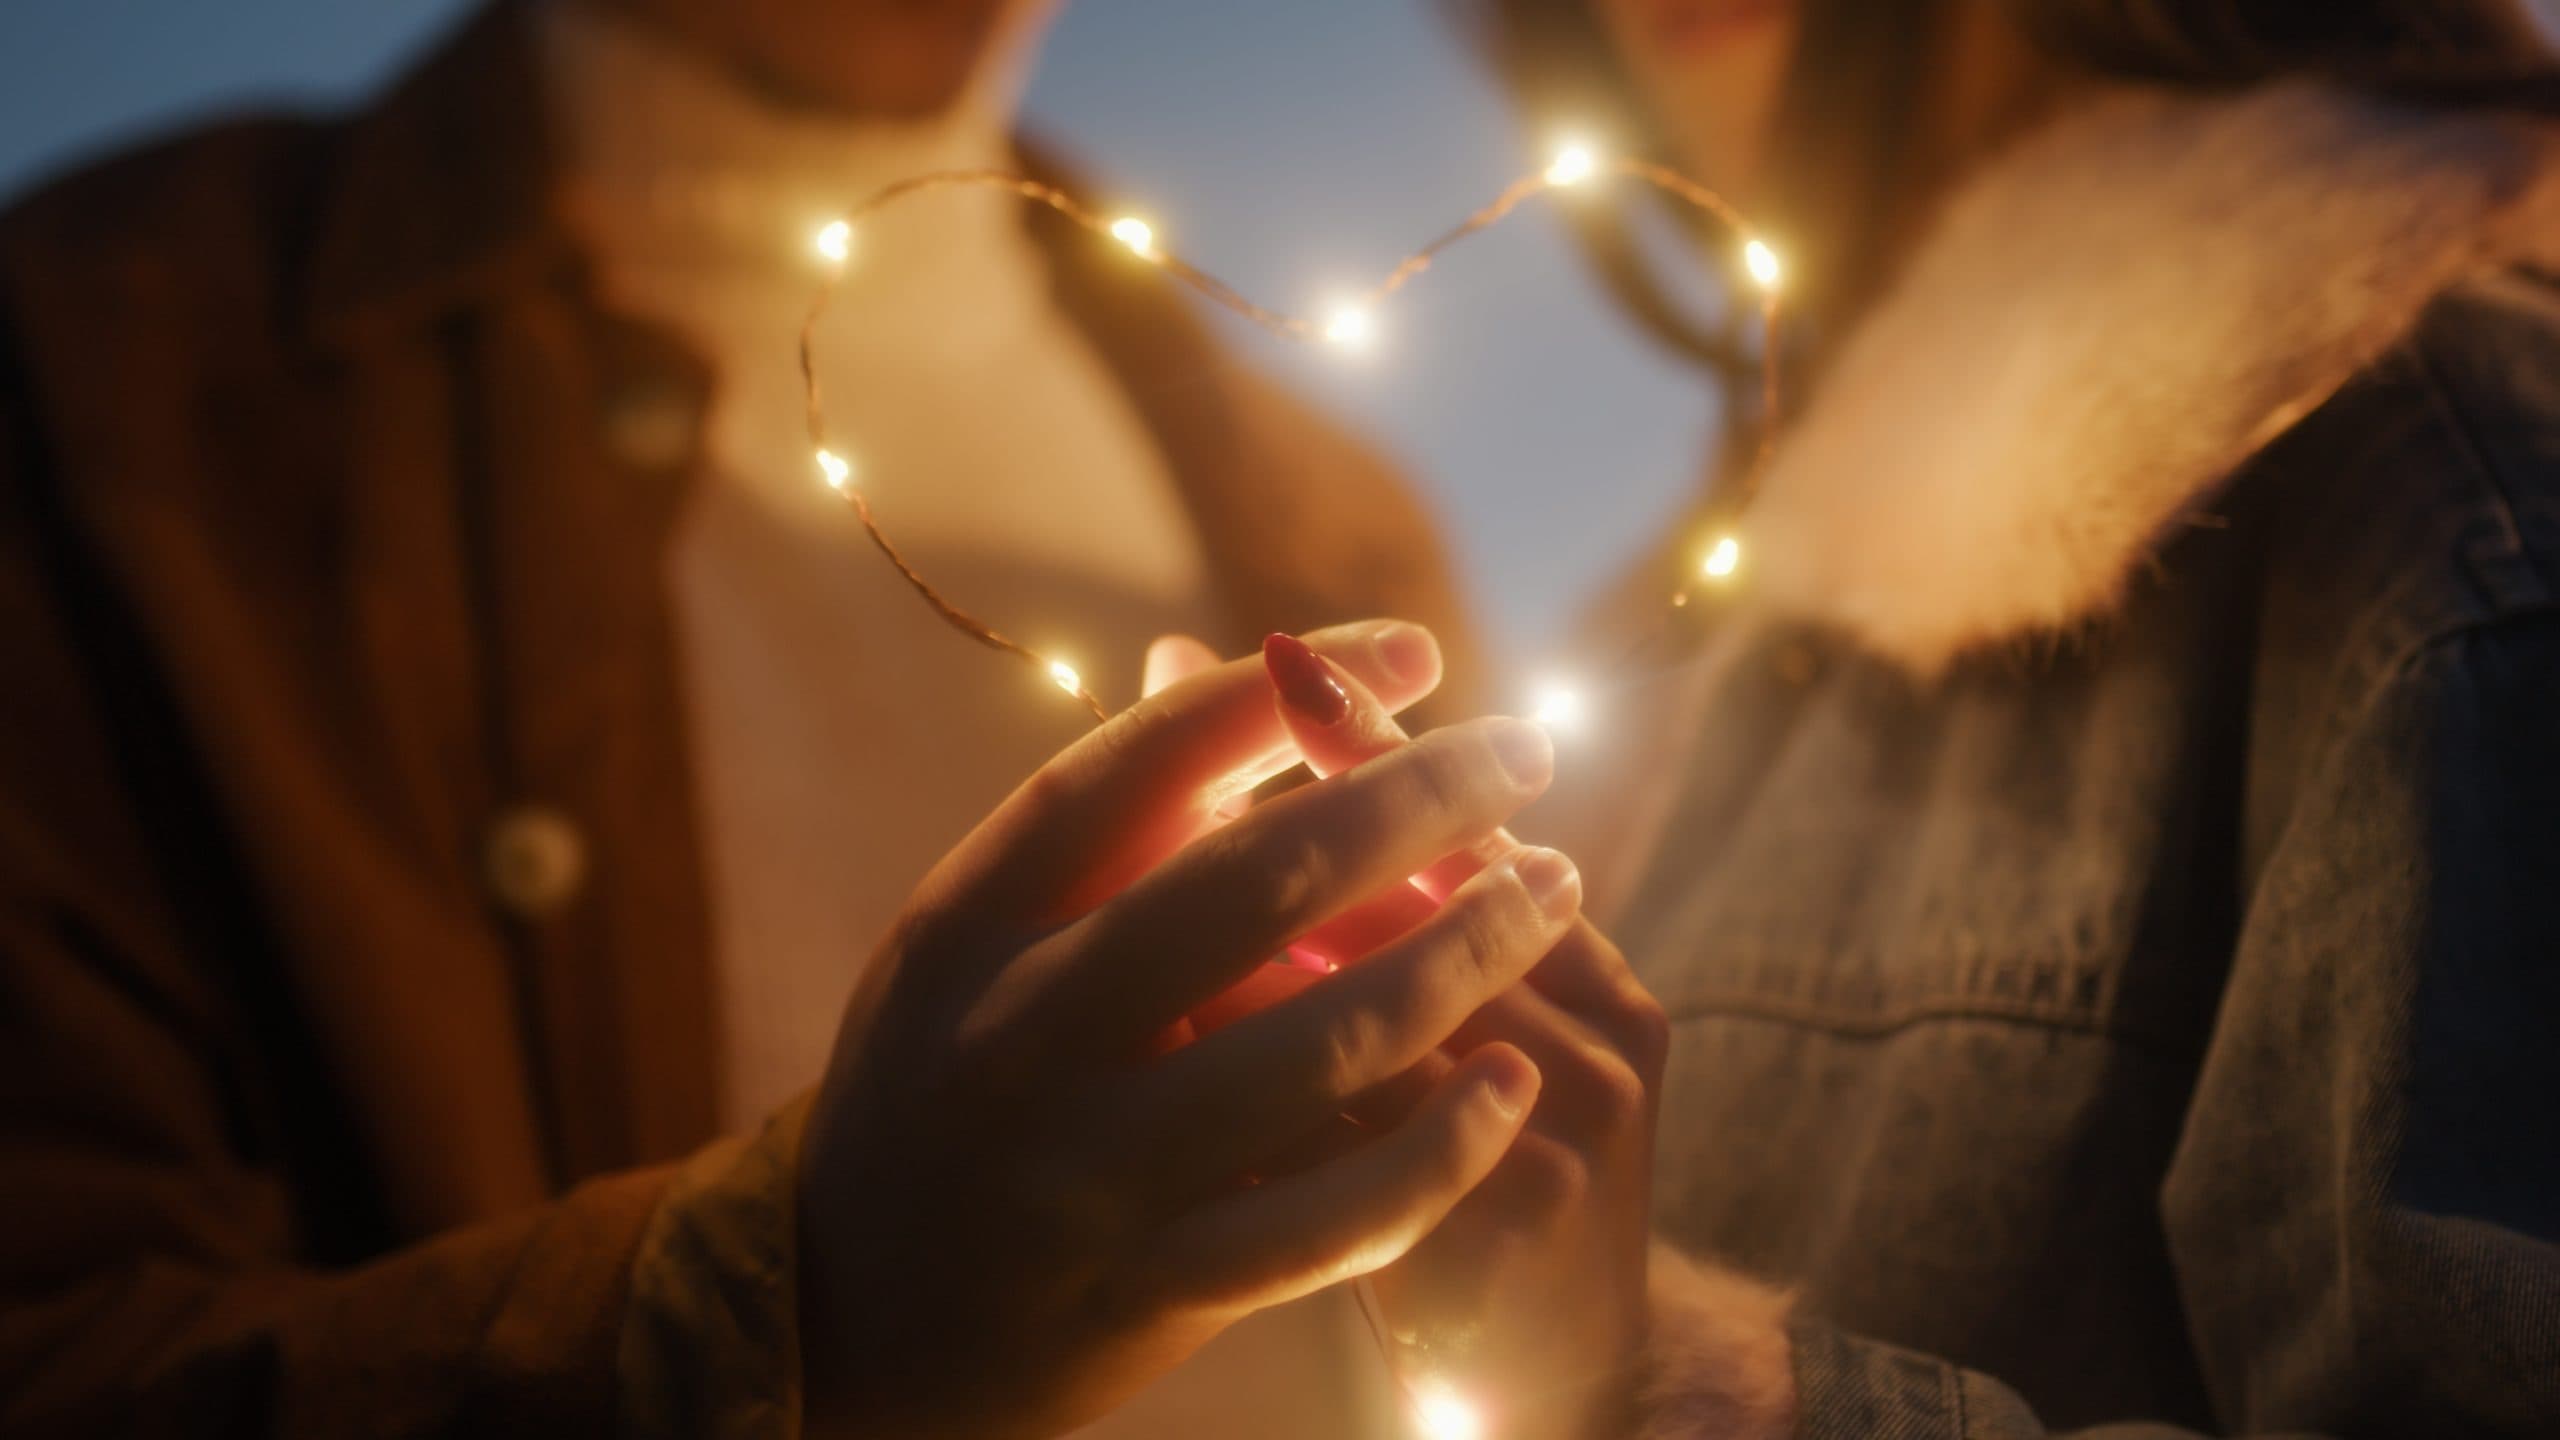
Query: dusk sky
{"type": "Point", "coordinates": [1291, 148]}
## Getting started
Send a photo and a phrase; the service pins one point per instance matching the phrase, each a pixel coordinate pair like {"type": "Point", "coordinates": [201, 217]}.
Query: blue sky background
{"type": "Point", "coordinates": [1293, 148]}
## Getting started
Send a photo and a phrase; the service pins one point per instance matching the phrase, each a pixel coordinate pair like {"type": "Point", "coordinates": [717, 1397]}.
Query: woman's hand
{"type": "Point", "coordinates": [1527, 1304]}
{"type": "Point", "coordinates": [1011, 1217]}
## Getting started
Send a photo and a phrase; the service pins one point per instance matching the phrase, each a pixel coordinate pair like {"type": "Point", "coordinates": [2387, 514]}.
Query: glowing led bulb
{"type": "Point", "coordinates": [1351, 328]}
{"type": "Point", "coordinates": [1439, 1414]}
{"type": "Point", "coordinates": [1573, 165]}
{"type": "Point", "coordinates": [1724, 558]}
{"type": "Point", "coordinates": [835, 241]}
{"type": "Point", "coordinates": [837, 469]}
{"type": "Point", "coordinates": [1763, 264]}
{"type": "Point", "coordinates": [1559, 708]}
{"type": "Point", "coordinates": [1064, 676]}
{"type": "Point", "coordinates": [1135, 233]}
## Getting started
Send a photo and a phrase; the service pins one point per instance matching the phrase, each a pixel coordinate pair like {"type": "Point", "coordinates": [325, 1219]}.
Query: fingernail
{"type": "Point", "coordinates": [1525, 752]}
{"type": "Point", "coordinates": [1511, 1088]}
{"type": "Point", "coordinates": [1552, 880]}
{"type": "Point", "coordinates": [1304, 682]}
{"type": "Point", "coordinates": [1406, 651]}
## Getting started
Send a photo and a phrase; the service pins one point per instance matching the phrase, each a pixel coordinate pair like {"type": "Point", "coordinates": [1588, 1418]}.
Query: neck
{"type": "Point", "coordinates": [1986, 85]}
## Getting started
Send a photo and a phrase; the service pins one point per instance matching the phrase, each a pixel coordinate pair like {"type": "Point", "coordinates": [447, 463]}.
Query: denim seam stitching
{"type": "Point", "coordinates": [1911, 1016]}
{"type": "Point", "coordinates": [2481, 459]}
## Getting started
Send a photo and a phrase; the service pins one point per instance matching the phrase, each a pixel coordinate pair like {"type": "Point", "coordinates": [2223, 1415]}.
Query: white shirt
{"type": "Point", "coordinates": [844, 738]}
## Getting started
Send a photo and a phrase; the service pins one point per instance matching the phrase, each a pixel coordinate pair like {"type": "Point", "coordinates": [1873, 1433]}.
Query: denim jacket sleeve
{"type": "Point", "coordinates": [2364, 1205]}
{"type": "Point", "coordinates": [710, 1342]}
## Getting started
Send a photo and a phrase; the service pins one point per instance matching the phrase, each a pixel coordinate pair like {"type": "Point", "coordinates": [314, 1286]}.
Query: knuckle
{"type": "Point", "coordinates": [1057, 784]}
{"type": "Point", "coordinates": [1546, 1178]}
{"type": "Point", "coordinates": [1119, 739]}
{"type": "Point", "coordinates": [1417, 1003]}
{"type": "Point", "coordinates": [1349, 1051]}
{"type": "Point", "coordinates": [1398, 1018]}
{"type": "Point", "coordinates": [1269, 874]}
{"type": "Point", "coordinates": [1440, 776]}
{"type": "Point", "coordinates": [1453, 1160]}
{"type": "Point", "coordinates": [1487, 929]}
{"type": "Point", "coordinates": [1619, 1096]}
{"type": "Point", "coordinates": [1644, 1028]}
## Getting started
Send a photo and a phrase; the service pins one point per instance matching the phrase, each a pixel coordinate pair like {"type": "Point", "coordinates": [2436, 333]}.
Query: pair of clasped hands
{"type": "Point", "coordinates": [1077, 1123]}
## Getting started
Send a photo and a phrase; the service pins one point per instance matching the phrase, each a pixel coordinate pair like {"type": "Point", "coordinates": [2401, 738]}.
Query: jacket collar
{"type": "Point", "coordinates": [443, 188]}
{"type": "Point", "coordinates": [2102, 328]}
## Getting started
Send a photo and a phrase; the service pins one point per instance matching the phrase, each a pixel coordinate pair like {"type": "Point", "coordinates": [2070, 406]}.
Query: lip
{"type": "Point", "coordinates": [1690, 26]}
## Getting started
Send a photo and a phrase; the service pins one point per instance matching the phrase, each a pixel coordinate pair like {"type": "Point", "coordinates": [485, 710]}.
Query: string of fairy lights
{"type": "Point", "coordinates": [1349, 324]}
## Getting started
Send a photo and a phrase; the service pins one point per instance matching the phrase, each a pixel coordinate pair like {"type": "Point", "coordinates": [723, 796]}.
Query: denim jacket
{"type": "Point", "coordinates": [2153, 1029]}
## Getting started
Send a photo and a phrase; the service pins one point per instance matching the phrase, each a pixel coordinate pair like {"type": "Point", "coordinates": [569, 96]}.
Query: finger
{"type": "Point", "coordinates": [1174, 658]}
{"type": "Point", "coordinates": [1352, 935]}
{"type": "Point", "coordinates": [1594, 1095]}
{"type": "Point", "coordinates": [1291, 1237]}
{"type": "Point", "coordinates": [1235, 1098]}
{"type": "Point", "coordinates": [1365, 1116]}
{"type": "Point", "coordinates": [1337, 722]}
{"type": "Point", "coordinates": [1133, 790]}
{"type": "Point", "coordinates": [1262, 987]}
{"type": "Point", "coordinates": [1195, 924]}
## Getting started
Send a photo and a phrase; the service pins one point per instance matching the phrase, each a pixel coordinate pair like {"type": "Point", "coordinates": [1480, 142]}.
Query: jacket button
{"type": "Point", "coordinates": [652, 424]}
{"type": "Point", "coordinates": [534, 861]}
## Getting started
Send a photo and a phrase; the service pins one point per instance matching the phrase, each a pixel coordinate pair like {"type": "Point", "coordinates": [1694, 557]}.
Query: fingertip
{"type": "Point", "coordinates": [1511, 1080]}
{"type": "Point", "coordinates": [1174, 658]}
{"type": "Point", "coordinates": [1409, 653]}
{"type": "Point", "coordinates": [1552, 880]}
{"type": "Point", "coordinates": [1306, 683]}
{"type": "Point", "coordinates": [1396, 660]}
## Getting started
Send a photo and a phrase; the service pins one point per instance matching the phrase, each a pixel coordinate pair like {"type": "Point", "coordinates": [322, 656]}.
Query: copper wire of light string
{"type": "Point", "coordinates": [1678, 187]}
{"type": "Point", "coordinates": [1572, 168]}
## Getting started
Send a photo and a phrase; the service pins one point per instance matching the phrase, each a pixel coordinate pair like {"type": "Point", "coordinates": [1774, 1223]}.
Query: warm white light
{"type": "Point", "coordinates": [1440, 1415]}
{"type": "Point", "coordinates": [1350, 328]}
{"type": "Point", "coordinates": [1135, 233]}
{"type": "Point", "coordinates": [1559, 708]}
{"type": "Point", "coordinates": [1724, 558]}
{"type": "Point", "coordinates": [836, 241]}
{"type": "Point", "coordinates": [1573, 165]}
{"type": "Point", "coordinates": [1763, 264]}
{"type": "Point", "coordinates": [837, 469]}
{"type": "Point", "coordinates": [1064, 676]}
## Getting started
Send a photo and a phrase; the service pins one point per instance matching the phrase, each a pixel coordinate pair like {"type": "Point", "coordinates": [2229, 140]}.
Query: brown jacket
{"type": "Point", "coordinates": [352, 946]}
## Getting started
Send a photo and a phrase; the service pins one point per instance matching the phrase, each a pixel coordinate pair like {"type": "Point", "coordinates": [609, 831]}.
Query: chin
{"type": "Point", "coordinates": [897, 59]}
{"type": "Point", "coordinates": [1696, 28]}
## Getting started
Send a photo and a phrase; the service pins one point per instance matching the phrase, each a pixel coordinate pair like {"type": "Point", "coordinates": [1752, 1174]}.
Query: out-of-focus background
{"type": "Point", "coordinates": [1295, 149]}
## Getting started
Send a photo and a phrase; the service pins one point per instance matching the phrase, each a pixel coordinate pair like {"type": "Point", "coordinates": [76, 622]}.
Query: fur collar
{"type": "Point", "coordinates": [2105, 325]}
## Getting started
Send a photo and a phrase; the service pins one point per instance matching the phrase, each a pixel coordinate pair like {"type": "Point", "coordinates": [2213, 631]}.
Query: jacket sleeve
{"type": "Point", "coordinates": [2364, 1206]}
{"type": "Point", "coordinates": [166, 1267]}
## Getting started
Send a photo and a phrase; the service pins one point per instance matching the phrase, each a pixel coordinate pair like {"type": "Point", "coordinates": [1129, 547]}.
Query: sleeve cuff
{"type": "Point", "coordinates": [710, 1346]}
{"type": "Point", "coordinates": [1726, 1358]}
{"type": "Point", "coordinates": [1853, 1389]}
{"type": "Point", "coordinates": [1715, 1359]}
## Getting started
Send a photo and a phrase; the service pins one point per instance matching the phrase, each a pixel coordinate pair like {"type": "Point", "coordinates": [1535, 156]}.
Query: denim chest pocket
{"type": "Point", "coordinates": [1856, 852]}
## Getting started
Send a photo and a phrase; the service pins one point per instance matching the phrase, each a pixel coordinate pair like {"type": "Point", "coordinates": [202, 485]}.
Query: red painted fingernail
{"type": "Point", "coordinates": [1304, 681]}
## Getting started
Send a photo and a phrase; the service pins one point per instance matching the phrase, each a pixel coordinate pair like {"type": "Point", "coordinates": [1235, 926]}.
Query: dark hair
{"type": "Point", "coordinates": [1842, 177]}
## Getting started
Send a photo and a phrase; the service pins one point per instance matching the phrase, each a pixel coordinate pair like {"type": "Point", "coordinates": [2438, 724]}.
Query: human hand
{"type": "Point", "coordinates": [1011, 1217]}
{"type": "Point", "coordinates": [1528, 1303]}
